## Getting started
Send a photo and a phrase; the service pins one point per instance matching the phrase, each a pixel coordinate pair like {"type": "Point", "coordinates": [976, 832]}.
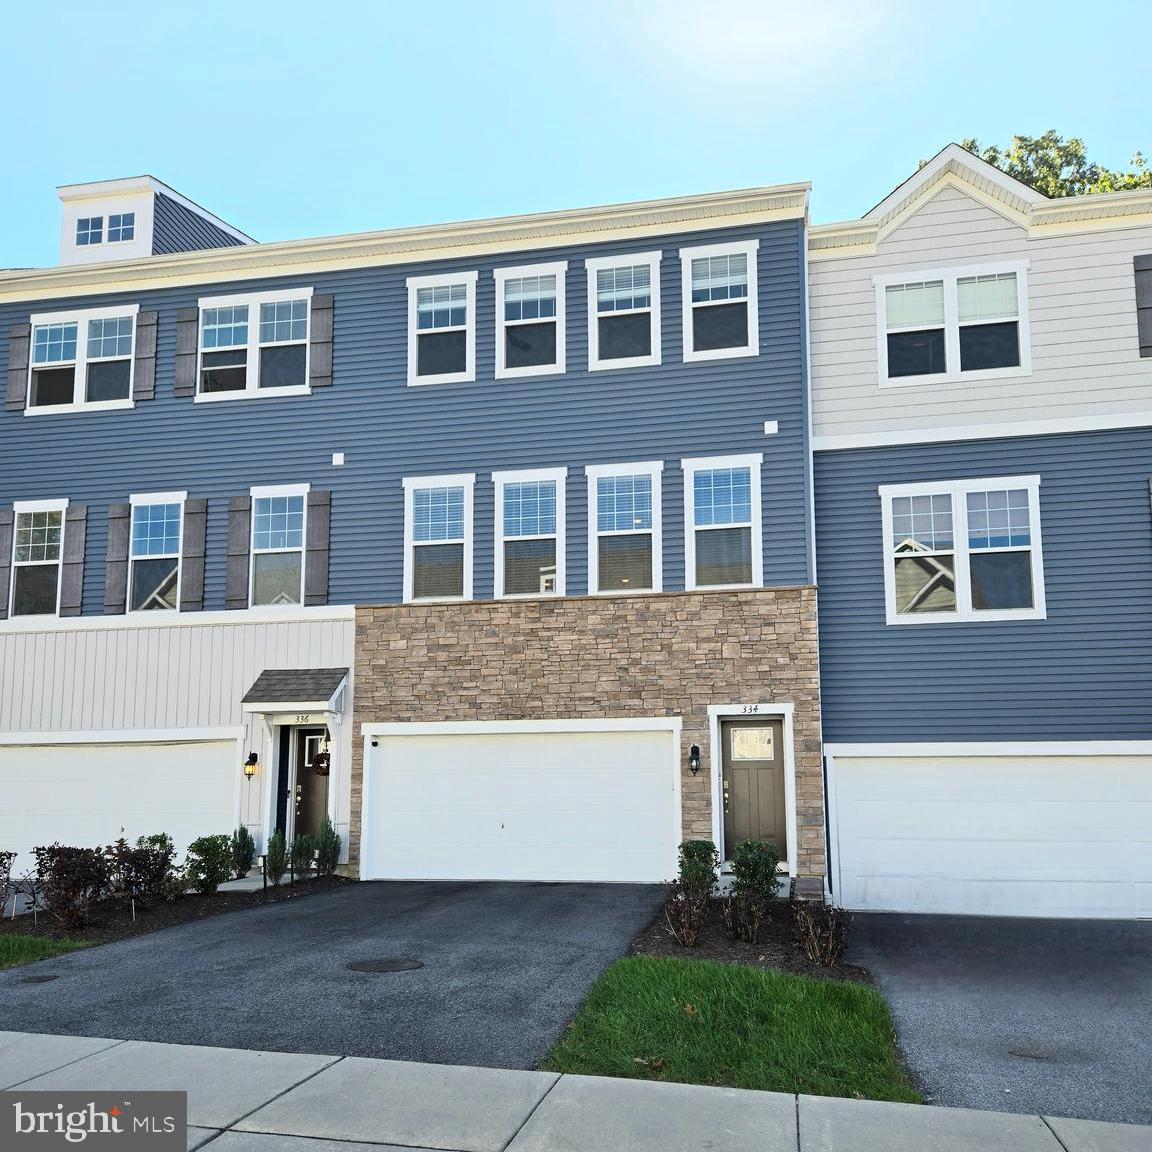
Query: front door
{"type": "Point", "coordinates": [753, 778]}
{"type": "Point", "coordinates": [311, 789]}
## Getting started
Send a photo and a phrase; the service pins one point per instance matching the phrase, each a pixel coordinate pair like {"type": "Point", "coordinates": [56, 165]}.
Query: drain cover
{"type": "Point", "coordinates": [42, 978]}
{"type": "Point", "coordinates": [389, 964]}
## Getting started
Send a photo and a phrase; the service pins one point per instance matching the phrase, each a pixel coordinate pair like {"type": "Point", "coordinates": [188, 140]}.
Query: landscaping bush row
{"type": "Point", "coordinates": [820, 931]}
{"type": "Point", "coordinates": [68, 882]}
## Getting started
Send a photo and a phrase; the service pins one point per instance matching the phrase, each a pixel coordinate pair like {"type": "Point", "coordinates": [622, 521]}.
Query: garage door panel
{"type": "Point", "coordinates": [1056, 836]}
{"type": "Point", "coordinates": [563, 806]}
{"type": "Point", "coordinates": [90, 794]}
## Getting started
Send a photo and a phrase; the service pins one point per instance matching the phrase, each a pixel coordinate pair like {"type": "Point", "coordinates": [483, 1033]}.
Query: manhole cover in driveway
{"type": "Point", "coordinates": [389, 964]}
{"type": "Point", "coordinates": [42, 978]}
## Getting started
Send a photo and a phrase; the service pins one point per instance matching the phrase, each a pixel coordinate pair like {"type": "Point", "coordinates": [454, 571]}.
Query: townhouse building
{"type": "Point", "coordinates": [491, 541]}
{"type": "Point", "coordinates": [982, 378]}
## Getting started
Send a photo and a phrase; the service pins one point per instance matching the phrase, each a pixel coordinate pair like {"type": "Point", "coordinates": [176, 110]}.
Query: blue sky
{"type": "Point", "coordinates": [293, 119]}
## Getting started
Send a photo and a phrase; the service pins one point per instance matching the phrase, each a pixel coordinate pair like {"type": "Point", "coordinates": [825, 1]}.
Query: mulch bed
{"type": "Point", "coordinates": [777, 947]}
{"type": "Point", "coordinates": [112, 919]}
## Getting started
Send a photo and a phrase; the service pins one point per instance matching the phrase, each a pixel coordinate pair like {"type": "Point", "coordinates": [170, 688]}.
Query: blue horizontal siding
{"type": "Point", "coordinates": [179, 229]}
{"type": "Point", "coordinates": [388, 430]}
{"type": "Point", "coordinates": [1084, 673]}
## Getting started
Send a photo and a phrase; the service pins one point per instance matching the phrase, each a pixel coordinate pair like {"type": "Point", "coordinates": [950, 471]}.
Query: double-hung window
{"type": "Point", "coordinates": [438, 537]}
{"type": "Point", "coordinates": [624, 534]}
{"type": "Point", "coordinates": [624, 311]}
{"type": "Point", "coordinates": [442, 328]}
{"type": "Point", "coordinates": [37, 553]}
{"type": "Point", "coordinates": [530, 320]}
{"type": "Point", "coordinates": [279, 515]}
{"type": "Point", "coordinates": [256, 344]}
{"type": "Point", "coordinates": [530, 539]}
{"type": "Point", "coordinates": [956, 324]}
{"type": "Point", "coordinates": [720, 301]}
{"type": "Point", "coordinates": [154, 557]}
{"type": "Point", "coordinates": [723, 546]}
{"type": "Point", "coordinates": [82, 359]}
{"type": "Point", "coordinates": [963, 550]}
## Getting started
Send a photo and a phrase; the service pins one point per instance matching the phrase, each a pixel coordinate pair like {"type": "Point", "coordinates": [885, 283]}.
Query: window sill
{"type": "Point", "coordinates": [629, 362]}
{"type": "Point", "coordinates": [1007, 616]}
{"type": "Point", "coordinates": [1015, 373]}
{"type": "Point", "coordinates": [691, 357]}
{"type": "Point", "coordinates": [723, 587]}
{"type": "Point", "coordinates": [252, 394]}
{"type": "Point", "coordinates": [439, 600]}
{"type": "Point", "coordinates": [93, 406]}
{"type": "Point", "coordinates": [447, 378]}
{"type": "Point", "coordinates": [528, 373]}
{"type": "Point", "coordinates": [626, 592]}
{"type": "Point", "coordinates": [530, 596]}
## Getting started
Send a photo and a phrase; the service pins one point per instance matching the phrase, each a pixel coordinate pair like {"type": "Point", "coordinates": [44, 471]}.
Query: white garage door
{"type": "Point", "coordinates": [83, 794]}
{"type": "Point", "coordinates": [994, 835]}
{"type": "Point", "coordinates": [522, 805]}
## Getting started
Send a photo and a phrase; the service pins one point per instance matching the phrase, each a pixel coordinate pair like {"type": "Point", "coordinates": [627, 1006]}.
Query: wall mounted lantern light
{"type": "Point", "coordinates": [250, 765]}
{"type": "Point", "coordinates": [694, 759]}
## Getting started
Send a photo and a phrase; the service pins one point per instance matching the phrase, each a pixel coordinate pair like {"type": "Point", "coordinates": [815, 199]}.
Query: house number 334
{"type": "Point", "coordinates": [749, 709]}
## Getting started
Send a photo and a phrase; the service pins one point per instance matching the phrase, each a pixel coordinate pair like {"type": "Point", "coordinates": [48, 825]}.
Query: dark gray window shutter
{"type": "Point", "coordinates": [320, 343]}
{"type": "Point", "coordinates": [72, 567]}
{"type": "Point", "coordinates": [187, 348]}
{"type": "Point", "coordinates": [316, 548]}
{"type": "Point", "coordinates": [19, 347]}
{"type": "Point", "coordinates": [1144, 303]}
{"type": "Point", "coordinates": [144, 364]}
{"type": "Point", "coordinates": [239, 542]}
{"type": "Point", "coordinates": [116, 565]}
{"type": "Point", "coordinates": [7, 516]}
{"type": "Point", "coordinates": [192, 555]}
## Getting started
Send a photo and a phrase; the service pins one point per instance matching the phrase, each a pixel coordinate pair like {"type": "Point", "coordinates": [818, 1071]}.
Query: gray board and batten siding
{"type": "Point", "coordinates": [388, 430]}
{"type": "Point", "coordinates": [1083, 673]}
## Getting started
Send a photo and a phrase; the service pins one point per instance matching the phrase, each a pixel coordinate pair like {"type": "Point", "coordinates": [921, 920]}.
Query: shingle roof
{"type": "Point", "coordinates": [286, 685]}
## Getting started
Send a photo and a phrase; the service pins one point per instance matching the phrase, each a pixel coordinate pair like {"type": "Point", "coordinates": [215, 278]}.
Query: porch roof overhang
{"type": "Point", "coordinates": [297, 690]}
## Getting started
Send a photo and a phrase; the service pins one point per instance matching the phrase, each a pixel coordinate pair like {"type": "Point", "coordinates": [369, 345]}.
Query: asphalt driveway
{"type": "Point", "coordinates": [1047, 1016]}
{"type": "Point", "coordinates": [505, 967]}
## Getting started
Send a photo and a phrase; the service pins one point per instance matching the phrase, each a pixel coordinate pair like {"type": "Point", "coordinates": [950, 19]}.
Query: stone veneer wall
{"type": "Point", "coordinates": [658, 655]}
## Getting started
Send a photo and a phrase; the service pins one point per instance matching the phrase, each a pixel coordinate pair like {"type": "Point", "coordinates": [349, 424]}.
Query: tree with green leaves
{"type": "Point", "coordinates": [1057, 167]}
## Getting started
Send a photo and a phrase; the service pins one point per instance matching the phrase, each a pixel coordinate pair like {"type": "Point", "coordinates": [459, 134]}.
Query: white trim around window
{"type": "Point", "coordinates": [955, 544]}
{"type": "Point", "coordinates": [26, 507]}
{"type": "Point", "coordinates": [254, 343]}
{"type": "Point", "coordinates": [447, 281]}
{"type": "Point", "coordinates": [653, 472]}
{"type": "Point", "coordinates": [556, 579]}
{"type": "Point", "coordinates": [627, 308]}
{"type": "Point", "coordinates": [80, 360]}
{"type": "Point", "coordinates": [272, 492]}
{"type": "Point", "coordinates": [152, 500]}
{"type": "Point", "coordinates": [951, 322]}
{"type": "Point", "coordinates": [751, 347]}
{"type": "Point", "coordinates": [753, 522]}
{"type": "Point", "coordinates": [504, 325]}
{"type": "Point", "coordinates": [417, 484]}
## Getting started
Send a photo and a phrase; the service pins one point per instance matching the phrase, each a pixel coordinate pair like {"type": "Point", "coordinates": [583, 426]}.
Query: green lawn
{"type": "Point", "coordinates": [698, 1022]}
{"type": "Point", "coordinates": [16, 949]}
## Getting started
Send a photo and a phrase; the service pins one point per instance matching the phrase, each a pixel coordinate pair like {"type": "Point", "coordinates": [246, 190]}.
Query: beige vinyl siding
{"type": "Point", "coordinates": [1082, 313]}
{"type": "Point", "coordinates": [167, 678]}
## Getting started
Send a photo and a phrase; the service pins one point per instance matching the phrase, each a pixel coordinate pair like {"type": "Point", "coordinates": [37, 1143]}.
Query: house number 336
{"type": "Point", "coordinates": [304, 718]}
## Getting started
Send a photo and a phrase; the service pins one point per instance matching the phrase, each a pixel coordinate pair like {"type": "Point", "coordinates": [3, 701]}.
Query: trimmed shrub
{"type": "Point", "coordinates": [209, 863]}
{"type": "Point", "coordinates": [327, 849]}
{"type": "Point", "coordinates": [243, 852]}
{"type": "Point", "coordinates": [699, 863]}
{"type": "Point", "coordinates": [685, 909]}
{"type": "Point", "coordinates": [743, 915]}
{"type": "Point", "coordinates": [754, 869]}
{"type": "Point", "coordinates": [6, 884]}
{"type": "Point", "coordinates": [163, 880]}
{"type": "Point", "coordinates": [303, 854]}
{"type": "Point", "coordinates": [276, 858]}
{"type": "Point", "coordinates": [72, 880]}
{"type": "Point", "coordinates": [822, 932]}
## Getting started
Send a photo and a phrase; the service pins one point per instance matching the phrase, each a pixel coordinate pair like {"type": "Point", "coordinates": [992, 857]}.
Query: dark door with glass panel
{"type": "Point", "coordinates": [753, 783]}
{"type": "Point", "coordinates": [311, 786]}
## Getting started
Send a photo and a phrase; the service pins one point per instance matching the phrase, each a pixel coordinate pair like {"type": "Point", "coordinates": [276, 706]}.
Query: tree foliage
{"type": "Point", "coordinates": [1057, 167]}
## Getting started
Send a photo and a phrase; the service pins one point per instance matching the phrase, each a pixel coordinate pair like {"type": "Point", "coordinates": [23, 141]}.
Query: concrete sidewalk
{"type": "Point", "coordinates": [242, 1101]}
